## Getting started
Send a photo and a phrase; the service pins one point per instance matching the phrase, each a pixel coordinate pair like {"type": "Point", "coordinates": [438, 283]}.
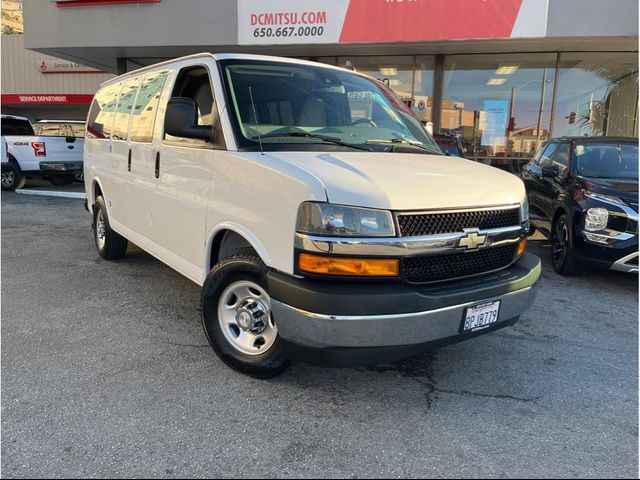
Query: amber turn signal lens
{"type": "Point", "coordinates": [522, 246]}
{"type": "Point", "coordinates": [357, 267]}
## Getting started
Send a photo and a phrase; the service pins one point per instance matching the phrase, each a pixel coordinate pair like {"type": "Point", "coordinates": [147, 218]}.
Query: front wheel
{"type": "Point", "coordinates": [562, 253]}
{"type": "Point", "coordinates": [12, 177]}
{"type": "Point", "coordinates": [237, 319]}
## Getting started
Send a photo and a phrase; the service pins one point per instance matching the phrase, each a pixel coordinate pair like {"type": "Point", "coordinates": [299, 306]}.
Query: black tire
{"type": "Point", "coordinates": [12, 176]}
{"type": "Point", "coordinates": [61, 179]}
{"type": "Point", "coordinates": [562, 252]}
{"type": "Point", "coordinates": [243, 266]}
{"type": "Point", "coordinates": [112, 245]}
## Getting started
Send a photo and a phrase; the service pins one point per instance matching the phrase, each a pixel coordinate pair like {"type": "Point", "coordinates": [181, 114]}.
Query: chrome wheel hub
{"type": "Point", "coordinates": [8, 177]}
{"type": "Point", "coordinates": [244, 315]}
{"type": "Point", "coordinates": [252, 315]}
{"type": "Point", "coordinates": [101, 230]}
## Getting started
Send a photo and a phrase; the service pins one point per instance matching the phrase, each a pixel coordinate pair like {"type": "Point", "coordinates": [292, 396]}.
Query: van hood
{"type": "Point", "coordinates": [406, 181]}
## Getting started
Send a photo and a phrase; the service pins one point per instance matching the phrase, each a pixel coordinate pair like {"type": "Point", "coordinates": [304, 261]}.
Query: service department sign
{"type": "Point", "coordinates": [373, 21]}
{"type": "Point", "coordinates": [59, 66]}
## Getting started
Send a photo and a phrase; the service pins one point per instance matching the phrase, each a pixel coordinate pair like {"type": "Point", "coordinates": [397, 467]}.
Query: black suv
{"type": "Point", "coordinates": [583, 195]}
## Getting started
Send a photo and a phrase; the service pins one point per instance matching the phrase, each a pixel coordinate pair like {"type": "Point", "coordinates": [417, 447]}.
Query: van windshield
{"type": "Point", "coordinates": [286, 106]}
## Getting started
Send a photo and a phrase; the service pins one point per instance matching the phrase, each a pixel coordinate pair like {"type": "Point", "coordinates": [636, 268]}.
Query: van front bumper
{"type": "Point", "coordinates": [349, 324]}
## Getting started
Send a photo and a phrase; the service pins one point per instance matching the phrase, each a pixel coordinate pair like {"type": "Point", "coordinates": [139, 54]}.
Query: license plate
{"type": "Point", "coordinates": [480, 316]}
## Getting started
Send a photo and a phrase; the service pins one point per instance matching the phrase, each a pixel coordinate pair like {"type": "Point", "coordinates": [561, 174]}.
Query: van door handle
{"type": "Point", "coordinates": [129, 162]}
{"type": "Point", "coordinates": [157, 164]}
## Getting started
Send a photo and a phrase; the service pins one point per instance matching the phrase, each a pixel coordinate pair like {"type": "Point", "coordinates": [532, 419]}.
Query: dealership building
{"type": "Point", "coordinates": [503, 75]}
{"type": "Point", "coordinates": [40, 86]}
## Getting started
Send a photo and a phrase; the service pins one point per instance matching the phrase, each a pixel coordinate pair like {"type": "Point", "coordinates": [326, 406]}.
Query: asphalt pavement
{"type": "Point", "coordinates": [106, 372]}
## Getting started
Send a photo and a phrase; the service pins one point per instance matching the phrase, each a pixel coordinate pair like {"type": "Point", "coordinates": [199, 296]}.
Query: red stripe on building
{"type": "Point", "coordinates": [46, 99]}
{"type": "Point", "coordinates": [419, 20]}
{"type": "Point", "coordinates": [89, 3]}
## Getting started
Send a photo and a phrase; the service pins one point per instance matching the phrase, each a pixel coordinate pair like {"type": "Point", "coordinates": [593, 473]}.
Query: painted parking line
{"type": "Point", "coordinates": [52, 193]}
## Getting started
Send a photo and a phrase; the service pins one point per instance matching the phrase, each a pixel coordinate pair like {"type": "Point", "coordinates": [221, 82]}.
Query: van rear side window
{"type": "Point", "coordinates": [124, 108]}
{"type": "Point", "coordinates": [144, 113]}
{"type": "Point", "coordinates": [100, 120]}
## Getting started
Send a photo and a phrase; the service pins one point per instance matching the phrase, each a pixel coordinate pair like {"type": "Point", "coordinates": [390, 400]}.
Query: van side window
{"type": "Point", "coordinates": [124, 109]}
{"type": "Point", "coordinates": [103, 106]}
{"type": "Point", "coordinates": [194, 83]}
{"type": "Point", "coordinates": [144, 112]}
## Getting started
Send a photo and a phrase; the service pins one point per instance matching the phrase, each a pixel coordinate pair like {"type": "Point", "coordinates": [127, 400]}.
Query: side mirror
{"type": "Point", "coordinates": [181, 120]}
{"type": "Point", "coordinates": [550, 171]}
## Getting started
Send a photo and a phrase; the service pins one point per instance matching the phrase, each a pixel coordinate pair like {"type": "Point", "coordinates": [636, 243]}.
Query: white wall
{"type": "Point", "coordinates": [21, 72]}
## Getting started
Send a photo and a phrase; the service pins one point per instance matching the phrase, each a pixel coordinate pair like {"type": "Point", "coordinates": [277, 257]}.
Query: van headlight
{"type": "Point", "coordinates": [343, 221]}
{"type": "Point", "coordinates": [596, 219]}
{"type": "Point", "coordinates": [524, 211]}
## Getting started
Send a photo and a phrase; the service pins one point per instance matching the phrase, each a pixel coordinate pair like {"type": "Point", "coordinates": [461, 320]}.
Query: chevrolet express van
{"type": "Point", "coordinates": [322, 221]}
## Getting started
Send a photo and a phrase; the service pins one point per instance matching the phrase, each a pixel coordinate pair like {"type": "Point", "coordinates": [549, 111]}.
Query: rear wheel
{"type": "Point", "coordinates": [237, 319]}
{"type": "Point", "coordinates": [562, 253]}
{"type": "Point", "coordinates": [110, 244]}
{"type": "Point", "coordinates": [12, 177]}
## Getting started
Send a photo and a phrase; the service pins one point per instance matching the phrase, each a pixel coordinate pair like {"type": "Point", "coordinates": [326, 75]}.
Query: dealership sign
{"type": "Point", "coordinates": [56, 66]}
{"type": "Point", "coordinates": [46, 98]}
{"type": "Point", "coordinates": [372, 21]}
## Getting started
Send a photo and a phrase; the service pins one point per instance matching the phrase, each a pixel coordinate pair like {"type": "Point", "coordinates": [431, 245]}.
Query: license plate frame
{"type": "Point", "coordinates": [491, 307]}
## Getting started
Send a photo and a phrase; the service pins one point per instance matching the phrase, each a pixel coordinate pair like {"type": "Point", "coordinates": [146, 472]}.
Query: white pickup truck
{"type": "Point", "coordinates": [52, 157]}
{"type": "Point", "coordinates": [320, 218]}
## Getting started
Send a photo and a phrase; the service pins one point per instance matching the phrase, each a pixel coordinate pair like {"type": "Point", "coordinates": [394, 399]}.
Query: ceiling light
{"type": "Point", "coordinates": [389, 71]}
{"type": "Point", "coordinates": [496, 81]}
{"type": "Point", "coordinates": [506, 69]}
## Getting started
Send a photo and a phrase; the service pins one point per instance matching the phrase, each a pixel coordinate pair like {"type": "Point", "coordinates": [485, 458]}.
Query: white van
{"type": "Point", "coordinates": [320, 218]}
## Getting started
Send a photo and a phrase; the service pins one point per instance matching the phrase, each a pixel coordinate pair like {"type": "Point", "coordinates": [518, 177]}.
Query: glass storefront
{"type": "Point", "coordinates": [503, 106]}
{"type": "Point", "coordinates": [597, 94]}
{"type": "Point", "coordinates": [499, 105]}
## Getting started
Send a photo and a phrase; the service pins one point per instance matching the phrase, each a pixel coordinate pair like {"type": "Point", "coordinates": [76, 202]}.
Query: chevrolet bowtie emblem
{"type": "Point", "coordinates": [472, 239]}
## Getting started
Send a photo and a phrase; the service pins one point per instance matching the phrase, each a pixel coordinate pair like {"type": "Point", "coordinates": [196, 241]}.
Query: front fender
{"type": "Point", "coordinates": [244, 233]}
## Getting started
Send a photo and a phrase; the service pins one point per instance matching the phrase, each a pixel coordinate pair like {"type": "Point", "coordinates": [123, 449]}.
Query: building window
{"type": "Point", "coordinates": [328, 60]}
{"type": "Point", "coordinates": [597, 94]}
{"type": "Point", "coordinates": [499, 105]}
{"type": "Point", "coordinates": [423, 88]}
{"type": "Point", "coordinates": [395, 72]}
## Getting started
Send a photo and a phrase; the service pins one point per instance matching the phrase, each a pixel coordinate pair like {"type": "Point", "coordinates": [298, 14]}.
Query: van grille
{"type": "Point", "coordinates": [447, 222]}
{"type": "Point", "coordinates": [432, 268]}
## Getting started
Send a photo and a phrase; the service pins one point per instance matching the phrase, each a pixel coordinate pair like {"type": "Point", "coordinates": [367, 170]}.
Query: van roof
{"type": "Point", "coordinates": [216, 57]}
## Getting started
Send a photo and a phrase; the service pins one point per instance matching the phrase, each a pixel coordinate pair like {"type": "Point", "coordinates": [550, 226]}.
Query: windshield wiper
{"type": "Point", "coordinates": [324, 138]}
{"type": "Point", "coordinates": [405, 141]}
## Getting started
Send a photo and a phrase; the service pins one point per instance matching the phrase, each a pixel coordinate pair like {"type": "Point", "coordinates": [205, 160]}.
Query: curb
{"type": "Point", "coordinates": [52, 193]}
